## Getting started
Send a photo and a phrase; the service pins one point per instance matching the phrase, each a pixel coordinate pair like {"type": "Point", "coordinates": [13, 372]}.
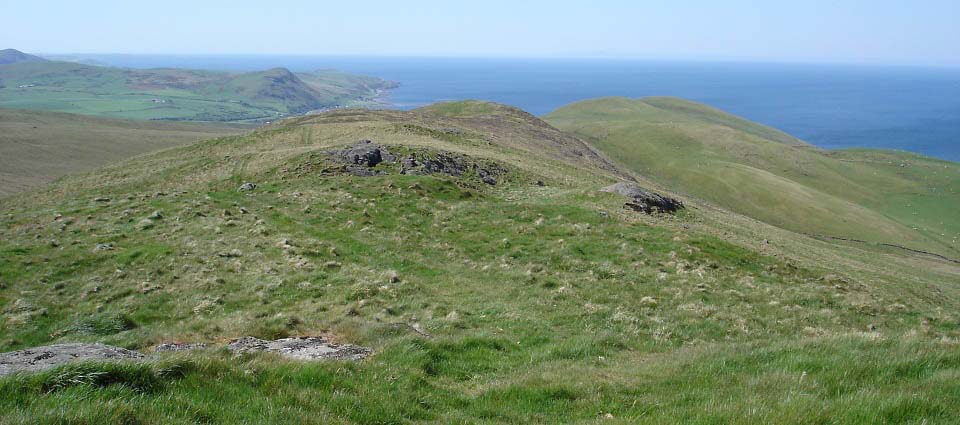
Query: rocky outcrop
{"type": "Point", "coordinates": [41, 358]}
{"type": "Point", "coordinates": [642, 200]}
{"type": "Point", "coordinates": [450, 164]}
{"type": "Point", "coordinates": [365, 153]}
{"type": "Point", "coordinates": [362, 159]}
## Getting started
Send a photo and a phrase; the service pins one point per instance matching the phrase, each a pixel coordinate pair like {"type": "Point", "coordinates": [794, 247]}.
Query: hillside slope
{"type": "Point", "coordinates": [179, 94]}
{"type": "Point", "coordinates": [475, 254]}
{"type": "Point", "coordinates": [880, 197]}
{"type": "Point", "coordinates": [37, 147]}
{"type": "Point", "coordinates": [346, 88]}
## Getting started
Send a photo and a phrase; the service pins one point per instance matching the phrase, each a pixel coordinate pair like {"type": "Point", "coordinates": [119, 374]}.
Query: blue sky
{"type": "Point", "coordinates": [878, 31]}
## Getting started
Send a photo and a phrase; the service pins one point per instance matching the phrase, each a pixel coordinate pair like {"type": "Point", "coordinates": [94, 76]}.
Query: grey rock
{"type": "Point", "coordinates": [302, 348]}
{"type": "Point", "coordinates": [233, 253]}
{"type": "Point", "coordinates": [362, 171]}
{"type": "Point", "coordinates": [446, 164]}
{"type": "Point", "coordinates": [486, 177]}
{"type": "Point", "coordinates": [41, 358]}
{"type": "Point", "coordinates": [174, 347]}
{"type": "Point", "coordinates": [364, 153]}
{"type": "Point", "coordinates": [103, 247]}
{"type": "Point", "coordinates": [453, 165]}
{"type": "Point", "coordinates": [409, 163]}
{"type": "Point", "coordinates": [362, 158]}
{"type": "Point", "coordinates": [642, 200]}
{"type": "Point", "coordinates": [20, 305]}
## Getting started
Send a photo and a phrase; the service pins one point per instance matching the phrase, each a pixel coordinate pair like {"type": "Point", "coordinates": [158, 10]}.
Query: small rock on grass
{"type": "Point", "coordinates": [648, 302]}
{"type": "Point", "coordinates": [234, 253]}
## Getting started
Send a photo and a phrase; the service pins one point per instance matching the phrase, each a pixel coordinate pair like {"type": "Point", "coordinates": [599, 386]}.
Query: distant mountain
{"type": "Point", "coordinates": [8, 56]}
{"type": "Point", "coordinates": [76, 59]}
{"type": "Point", "coordinates": [181, 94]}
{"type": "Point", "coordinates": [277, 85]}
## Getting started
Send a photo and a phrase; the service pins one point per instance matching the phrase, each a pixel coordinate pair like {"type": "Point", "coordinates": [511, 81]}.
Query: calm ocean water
{"type": "Point", "coordinates": [832, 106]}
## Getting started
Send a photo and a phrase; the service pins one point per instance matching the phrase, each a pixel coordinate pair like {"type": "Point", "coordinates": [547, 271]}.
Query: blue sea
{"type": "Point", "coordinates": [832, 106]}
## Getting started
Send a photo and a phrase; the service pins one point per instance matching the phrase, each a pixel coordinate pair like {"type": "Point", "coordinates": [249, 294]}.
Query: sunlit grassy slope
{"type": "Point", "coordinates": [179, 94]}
{"type": "Point", "coordinates": [515, 303]}
{"type": "Point", "coordinates": [877, 196]}
{"type": "Point", "coordinates": [37, 147]}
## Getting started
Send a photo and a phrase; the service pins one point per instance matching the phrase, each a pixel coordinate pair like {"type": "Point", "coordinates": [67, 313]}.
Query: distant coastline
{"type": "Point", "coordinates": [173, 93]}
{"type": "Point", "coordinates": [831, 106]}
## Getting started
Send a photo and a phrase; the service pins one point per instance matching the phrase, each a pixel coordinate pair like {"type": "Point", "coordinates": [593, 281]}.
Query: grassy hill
{"type": "Point", "coordinates": [537, 299]}
{"type": "Point", "coordinates": [179, 94]}
{"type": "Point", "coordinates": [876, 196]}
{"type": "Point", "coordinates": [37, 147]}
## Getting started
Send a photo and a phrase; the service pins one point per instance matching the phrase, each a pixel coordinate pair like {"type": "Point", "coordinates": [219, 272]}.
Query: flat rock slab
{"type": "Point", "coordinates": [41, 358]}
{"type": "Point", "coordinates": [303, 348]}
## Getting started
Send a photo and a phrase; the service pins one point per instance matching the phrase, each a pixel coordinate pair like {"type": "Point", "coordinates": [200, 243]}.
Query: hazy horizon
{"type": "Point", "coordinates": [66, 55]}
{"type": "Point", "coordinates": [845, 32]}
